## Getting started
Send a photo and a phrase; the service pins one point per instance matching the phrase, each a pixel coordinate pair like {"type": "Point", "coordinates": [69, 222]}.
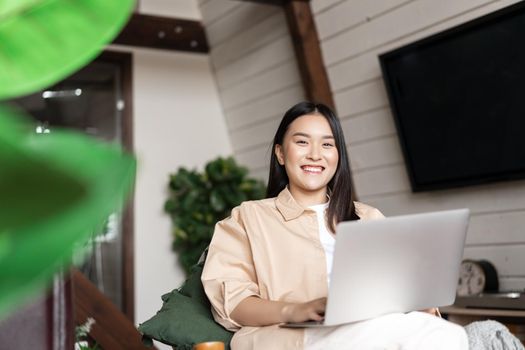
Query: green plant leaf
{"type": "Point", "coordinates": [57, 189]}
{"type": "Point", "coordinates": [43, 41]}
{"type": "Point", "coordinates": [213, 170]}
{"type": "Point", "coordinates": [181, 234]}
{"type": "Point", "coordinates": [170, 206]}
{"type": "Point", "coordinates": [216, 200]}
{"type": "Point", "coordinates": [233, 195]}
{"type": "Point", "coordinates": [190, 199]}
{"type": "Point", "coordinates": [221, 186]}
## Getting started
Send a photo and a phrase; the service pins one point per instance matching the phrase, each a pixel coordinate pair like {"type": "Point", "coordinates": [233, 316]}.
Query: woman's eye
{"type": "Point", "coordinates": [301, 142]}
{"type": "Point", "coordinates": [328, 145]}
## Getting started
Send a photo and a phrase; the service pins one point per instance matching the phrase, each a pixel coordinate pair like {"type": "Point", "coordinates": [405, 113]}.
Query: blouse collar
{"type": "Point", "coordinates": [287, 205]}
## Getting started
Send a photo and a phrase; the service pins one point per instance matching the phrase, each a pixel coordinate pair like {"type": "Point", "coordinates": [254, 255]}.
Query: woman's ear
{"type": "Point", "coordinates": [279, 154]}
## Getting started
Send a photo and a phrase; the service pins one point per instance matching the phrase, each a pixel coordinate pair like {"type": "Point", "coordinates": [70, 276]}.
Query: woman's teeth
{"type": "Point", "coordinates": [312, 169]}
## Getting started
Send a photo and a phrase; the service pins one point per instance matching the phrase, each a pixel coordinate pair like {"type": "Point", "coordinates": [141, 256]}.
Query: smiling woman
{"type": "Point", "coordinates": [269, 262]}
{"type": "Point", "coordinates": [330, 139]}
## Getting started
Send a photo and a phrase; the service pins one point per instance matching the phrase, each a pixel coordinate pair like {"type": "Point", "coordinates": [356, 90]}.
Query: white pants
{"type": "Point", "coordinates": [412, 331]}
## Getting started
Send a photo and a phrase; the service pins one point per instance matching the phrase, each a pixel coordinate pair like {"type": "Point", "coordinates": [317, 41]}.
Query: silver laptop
{"type": "Point", "coordinates": [397, 264]}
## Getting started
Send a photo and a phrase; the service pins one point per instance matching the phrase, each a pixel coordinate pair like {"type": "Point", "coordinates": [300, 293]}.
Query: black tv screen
{"type": "Point", "coordinates": [458, 100]}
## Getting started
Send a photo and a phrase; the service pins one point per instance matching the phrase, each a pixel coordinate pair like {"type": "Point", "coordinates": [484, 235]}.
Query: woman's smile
{"type": "Point", "coordinates": [312, 169]}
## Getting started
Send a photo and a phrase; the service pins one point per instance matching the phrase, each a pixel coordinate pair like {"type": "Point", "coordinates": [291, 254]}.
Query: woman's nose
{"type": "Point", "coordinates": [314, 153]}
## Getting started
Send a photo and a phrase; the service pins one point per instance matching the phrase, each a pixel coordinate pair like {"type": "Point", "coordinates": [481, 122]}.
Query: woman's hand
{"type": "Point", "coordinates": [301, 312]}
{"type": "Point", "coordinates": [433, 311]}
{"type": "Point", "coordinates": [257, 312]}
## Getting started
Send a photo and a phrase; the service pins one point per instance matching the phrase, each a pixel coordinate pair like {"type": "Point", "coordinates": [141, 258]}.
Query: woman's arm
{"type": "Point", "coordinates": [230, 282]}
{"type": "Point", "coordinates": [257, 312]}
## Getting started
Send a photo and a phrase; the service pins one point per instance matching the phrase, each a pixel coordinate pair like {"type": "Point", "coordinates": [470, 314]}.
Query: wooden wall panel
{"type": "Point", "coordinates": [248, 39]}
{"type": "Point", "coordinates": [319, 6]}
{"type": "Point", "coordinates": [511, 283]}
{"type": "Point", "coordinates": [241, 16]}
{"type": "Point", "coordinates": [261, 174]}
{"type": "Point", "coordinates": [355, 71]}
{"type": "Point", "coordinates": [274, 79]}
{"type": "Point", "coordinates": [258, 135]}
{"type": "Point", "coordinates": [213, 11]}
{"type": "Point", "coordinates": [370, 95]}
{"type": "Point", "coordinates": [271, 55]}
{"type": "Point", "coordinates": [254, 159]}
{"type": "Point", "coordinates": [368, 126]}
{"type": "Point", "coordinates": [376, 153]}
{"type": "Point", "coordinates": [503, 197]}
{"type": "Point", "coordinates": [266, 108]}
{"type": "Point", "coordinates": [497, 228]}
{"type": "Point", "coordinates": [349, 14]}
{"type": "Point", "coordinates": [404, 20]}
{"type": "Point", "coordinates": [385, 180]}
{"type": "Point", "coordinates": [364, 66]}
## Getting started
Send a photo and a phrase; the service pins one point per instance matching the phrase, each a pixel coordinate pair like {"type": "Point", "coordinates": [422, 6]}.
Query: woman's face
{"type": "Point", "coordinates": [310, 157]}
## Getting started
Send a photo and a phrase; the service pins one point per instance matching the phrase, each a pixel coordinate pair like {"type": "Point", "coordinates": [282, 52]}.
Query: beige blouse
{"type": "Point", "coordinates": [268, 248]}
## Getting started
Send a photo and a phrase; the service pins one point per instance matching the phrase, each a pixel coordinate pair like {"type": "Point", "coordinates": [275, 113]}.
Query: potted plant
{"type": "Point", "coordinates": [198, 200]}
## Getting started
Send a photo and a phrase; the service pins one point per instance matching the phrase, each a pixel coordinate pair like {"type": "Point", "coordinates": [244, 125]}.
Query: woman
{"type": "Point", "coordinates": [269, 262]}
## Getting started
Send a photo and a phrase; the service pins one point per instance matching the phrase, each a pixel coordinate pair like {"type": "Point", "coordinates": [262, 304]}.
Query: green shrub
{"type": "Point", "coordinates": [198, 200]}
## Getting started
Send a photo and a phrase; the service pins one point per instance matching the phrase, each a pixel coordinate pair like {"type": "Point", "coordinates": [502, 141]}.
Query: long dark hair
{"type": "Point", "coordinates": [341, 206]}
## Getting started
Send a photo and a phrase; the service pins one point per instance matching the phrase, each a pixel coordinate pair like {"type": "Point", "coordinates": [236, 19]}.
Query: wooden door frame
{"type": "Point", "coordinates": [125, 61]}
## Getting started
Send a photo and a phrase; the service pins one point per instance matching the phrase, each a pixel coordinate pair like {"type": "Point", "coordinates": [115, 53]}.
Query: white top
{"type": "Point", "coordinates": [327, 238]}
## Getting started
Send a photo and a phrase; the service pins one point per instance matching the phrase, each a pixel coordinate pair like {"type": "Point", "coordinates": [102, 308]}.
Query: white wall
{"type": "Point", "coordinates": [258, 79]}
{"type": "Point", "coordinates": [177, 121]}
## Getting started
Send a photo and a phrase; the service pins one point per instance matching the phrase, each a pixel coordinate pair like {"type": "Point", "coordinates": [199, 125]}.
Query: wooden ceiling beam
{"type": "Point", "coordinates": [303, 31]}
{"type": "Point", "coordinates": [165, 33]}
{"type": "Point", "coordinates": [308, 52]}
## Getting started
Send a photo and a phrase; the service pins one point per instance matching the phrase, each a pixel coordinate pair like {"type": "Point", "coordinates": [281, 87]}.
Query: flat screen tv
{"type": "Point", "coordinates": [458, 100]}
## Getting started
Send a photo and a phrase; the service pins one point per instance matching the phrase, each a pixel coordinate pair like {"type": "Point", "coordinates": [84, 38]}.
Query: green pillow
{"type": "Point", "coordinates": [185, 318]}
{"type": "Point", "coordinates": [192, 287]}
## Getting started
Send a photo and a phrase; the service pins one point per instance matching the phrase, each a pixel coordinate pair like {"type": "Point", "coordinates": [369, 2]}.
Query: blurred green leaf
{"type": "Point", "coordinates": [216, 200]}
{"type": "Point", "coordinates": [170, 206]}
{"type": "Point", "coordinates": [181, 234]}
{"type": "Point", "coordinates": [43, 41]}
{"type": "Point", "coordinates": [56, 191]}
{"type": "Point", "coordinates": [188, 201]}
